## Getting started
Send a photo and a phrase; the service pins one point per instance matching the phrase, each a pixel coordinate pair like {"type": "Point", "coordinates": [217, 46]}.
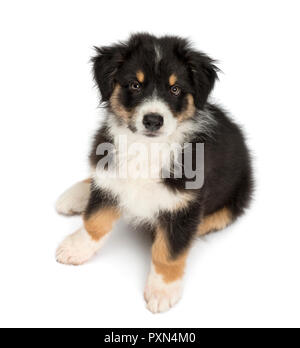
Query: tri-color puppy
{"type": "Point", "coordinates": [155, 90]}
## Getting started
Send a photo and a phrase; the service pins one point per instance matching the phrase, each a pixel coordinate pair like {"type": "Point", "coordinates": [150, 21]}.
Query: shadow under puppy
{"type": "Point", "coordinates": [155, 90]}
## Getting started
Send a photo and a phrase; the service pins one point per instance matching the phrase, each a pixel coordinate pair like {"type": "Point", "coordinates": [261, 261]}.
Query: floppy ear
{"type": "Point", "coordinates": [204, 75]}
{"type": "Point", "coordinates": [105, 66]}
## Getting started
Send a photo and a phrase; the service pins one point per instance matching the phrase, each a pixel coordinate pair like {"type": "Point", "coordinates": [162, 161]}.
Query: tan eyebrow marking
{"type": "Point", "coordinates": [140, 76]}
{"type": "Point", "coordinates": [172, 79]}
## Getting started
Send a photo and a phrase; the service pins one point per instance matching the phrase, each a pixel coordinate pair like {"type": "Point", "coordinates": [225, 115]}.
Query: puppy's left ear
{"type": "Point", "coordinates": [105, 66]}
{"type": "Point", "coordinates": [204, 75]}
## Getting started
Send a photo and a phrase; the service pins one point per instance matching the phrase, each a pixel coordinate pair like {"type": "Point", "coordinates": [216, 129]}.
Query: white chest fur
{"type": "Point", "coordinates": [141, 197]}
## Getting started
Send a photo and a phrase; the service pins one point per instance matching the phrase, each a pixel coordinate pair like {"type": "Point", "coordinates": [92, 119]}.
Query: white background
{"type": "Point", "coordinates": [247, 275]}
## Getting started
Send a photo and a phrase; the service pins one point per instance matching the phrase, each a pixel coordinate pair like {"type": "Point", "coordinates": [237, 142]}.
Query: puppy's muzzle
{"type": "Point", "coordinates": [153, 122]}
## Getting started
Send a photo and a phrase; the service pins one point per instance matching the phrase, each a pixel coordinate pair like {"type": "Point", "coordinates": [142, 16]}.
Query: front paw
{"type": "Point", "coordinates": [77, 249]}
{"type": "Point", "coordinates": [161, 296]}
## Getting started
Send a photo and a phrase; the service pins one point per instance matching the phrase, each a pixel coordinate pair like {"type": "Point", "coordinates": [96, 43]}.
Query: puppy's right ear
{"type": "Point", "coordinates": [105, 66]}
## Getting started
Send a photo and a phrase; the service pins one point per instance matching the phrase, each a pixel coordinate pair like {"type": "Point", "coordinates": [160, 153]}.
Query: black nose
{"type": "Point", "coordinates": [153, 122]}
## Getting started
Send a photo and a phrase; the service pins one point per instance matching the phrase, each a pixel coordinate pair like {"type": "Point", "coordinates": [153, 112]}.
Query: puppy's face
{"type": "Point", "coordinates": [152, 85]}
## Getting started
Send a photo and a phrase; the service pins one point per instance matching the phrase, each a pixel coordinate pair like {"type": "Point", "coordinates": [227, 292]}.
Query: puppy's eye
{"type": "Point", "coordinates": [175, 90]}
{"type": "Point", "coordinates": [135, 86]}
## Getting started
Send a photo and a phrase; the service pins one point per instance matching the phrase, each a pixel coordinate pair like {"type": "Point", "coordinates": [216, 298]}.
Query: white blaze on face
{"type": "Point", "coordinates": [158, 55]}
{"type": "Point", "coordinates": [157, 106]}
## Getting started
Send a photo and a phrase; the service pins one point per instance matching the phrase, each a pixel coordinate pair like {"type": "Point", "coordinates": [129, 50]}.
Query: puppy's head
{"type": "Point", "coordinates": [151, 84]}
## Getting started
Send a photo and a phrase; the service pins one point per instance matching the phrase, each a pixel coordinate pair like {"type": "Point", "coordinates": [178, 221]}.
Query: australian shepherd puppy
{"type": "Point", "coordinates": [165, 159]}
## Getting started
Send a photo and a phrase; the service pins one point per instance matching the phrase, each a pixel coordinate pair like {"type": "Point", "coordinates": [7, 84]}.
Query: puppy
{"type": "Point", "coordinates": [155, 92]}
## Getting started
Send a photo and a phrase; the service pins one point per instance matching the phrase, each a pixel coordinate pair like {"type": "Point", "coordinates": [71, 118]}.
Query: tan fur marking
{"type": "Point", "coordinates": [116, 107]}
{"type": "Point", "coordinates": [170, 269]}
{"type": "Point", "coordinates": [100, 223]}
{"type": "Point", "coordinates": [216, 221]}
{"type": "Point", "coordinates": [140, 76]}
{"type": "Point", "coordinates": [190, 110]}
{"type": "Point", "coordinates": [88, 181]}
{"type": "Point", "coordinates": [172, 80]}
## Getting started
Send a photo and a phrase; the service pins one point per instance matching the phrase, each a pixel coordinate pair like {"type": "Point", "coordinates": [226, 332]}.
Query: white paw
{"type": "Point", "coordinates": [74, 200]}
{"type": "Point", "coordinates": [159, 295]}
{"type": "Point", "coordinates": [77, 248]}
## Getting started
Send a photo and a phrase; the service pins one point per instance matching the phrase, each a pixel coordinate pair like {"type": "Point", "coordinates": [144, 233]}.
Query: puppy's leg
{"type": "Point", "coordinates": [99, 219]}
{"type": "Point", "coordinates": [215, 222]}
{"type": "Point", "coordinates": [75, 199]}
{"type": "Point", "coordinates": [173, 238]}
{"type": "Point", "coordinates": [164, 285]}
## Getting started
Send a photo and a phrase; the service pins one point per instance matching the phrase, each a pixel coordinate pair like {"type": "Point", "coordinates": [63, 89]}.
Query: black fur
{"type": "Point", "coordinates": [99, 199]}
{"type": "Point", "coordinates": [181, 227]}
{"type": "Point", "coordinates": [228, 179]}
{"type": "Point", "coordinates": [101, 137]}
{"type": "Point", "coordinates": [228, 173]}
